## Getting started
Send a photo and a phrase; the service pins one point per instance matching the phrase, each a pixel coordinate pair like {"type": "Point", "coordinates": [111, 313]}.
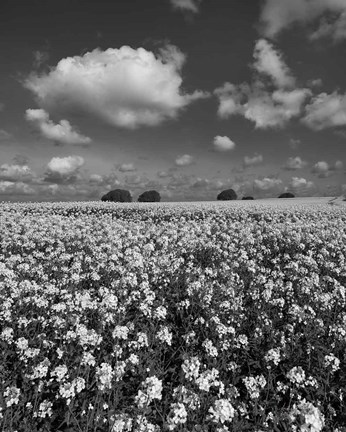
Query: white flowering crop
{"type": "Point", "coordinates": [309, 417]}
{"type": "Point", "coordinates": [149, 318]}
{"type": "Point", "coordinates": [222, 411]}
{"type": "Point", "coordinates": [104, 375]}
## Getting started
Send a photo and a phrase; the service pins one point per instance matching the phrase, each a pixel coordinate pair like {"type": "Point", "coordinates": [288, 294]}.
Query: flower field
{"type": "Point", "coordinates": [152, 317]}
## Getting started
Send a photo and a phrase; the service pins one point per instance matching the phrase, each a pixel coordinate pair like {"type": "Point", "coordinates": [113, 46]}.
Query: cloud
{"type": "Point", "coordinates": [124, 87]}
{"type": "Point", "coordinates": [278, 15]}
{"type": "Point", "coordinates": [335, 29]}
{"type": "Point", "coordinates": [223, 143]}
{"type": "Point", "coordinates": [135, 180]}
{"type": "Point", "coordinates": [125, 167]}
{"type": "Point", "coordinates": [271, 100]}
{"type": "Point", "coordinates": [254, 160]}
{"type": "Point", "coordinates": [217, 184]}
{"type": "Point", "coordinates": [326, 111]}
{"type": "Point", "coordinates": [20, 159]}
{"type": "Point", "coordinates": [162, 174]}
{"type": "Point", "coordinates": [317, 82]}
{"type": "Point", "coordinates": [64, 169]}
{"type": "Point", "coordinates": [294, 163]}
{"type": "Point", "coordinates": [257, 104]}
{"type": "Point", "coordinates": [96, 179]}
{"type": "Point", "coordinates": [40, 58]}
{"type": "Point", "coordinates": [200, 183]}
{"type": "Point", "coordinates": [109, 181]}
{"type": "Point", "coordinates": [52, 189]}
{"type": "Point", "coordinates": [15, 172]}
{"type": "Point", "coordinates": [267, 184]}
{"type": "Point", "coordinates": [184, 160]}
{"type": "Point", "coordinates": [301, 185]}
{"type": "Point", "coordinates": [269, 62]}
{"type": "Point", "coordinates": [186, 5]}
{"type": "Point", "coordinates": [68, 192]}
{"type": "Point", "coordinates": [62, 132]}
{"type": "Point", "coordinates": [179, 181]}
{"type": "Point", "coordinates": [277, 109]}
{"type": "Point", "coordinates": [322, 169]}
{"type": "Point", "coordinates": [4, 135]}
{"type": "Point", "coordinates": [153, 184]}
{"type": "Point", "coordinates": [11, 188]}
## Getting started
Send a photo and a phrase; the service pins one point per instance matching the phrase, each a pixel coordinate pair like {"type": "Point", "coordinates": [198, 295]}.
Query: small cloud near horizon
{"type": "Point", "coordinates": [223, 144]}
{"type": "Point", "coordinates": [184, 160]}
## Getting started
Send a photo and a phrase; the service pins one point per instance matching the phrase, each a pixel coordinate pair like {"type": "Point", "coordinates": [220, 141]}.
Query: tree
{"type": "Point", "coordinates": [248, 198]}
{"type": "Point", "coordinates": [117, 195]}
{"type": "Point", "coordinates": [227, 195]}
{"type": "Point", "coordinates": [149, 196]}
{"type": "Point", "coordinates": [286, 195]}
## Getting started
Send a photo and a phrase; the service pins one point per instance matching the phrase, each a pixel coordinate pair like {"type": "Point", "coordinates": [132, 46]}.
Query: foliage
{"type": "Point", "coordinates": [286, 195]}
{"type": "Point", "coordinates": [117, 195]}
{"type": "Point", "coordinates": [149, 196]}
{"type": "Point", "coordinates": [227, 195]}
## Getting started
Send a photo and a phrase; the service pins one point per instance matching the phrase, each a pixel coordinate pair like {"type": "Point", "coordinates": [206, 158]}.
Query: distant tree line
{"type": "Point", "coordinates": [122, 195]}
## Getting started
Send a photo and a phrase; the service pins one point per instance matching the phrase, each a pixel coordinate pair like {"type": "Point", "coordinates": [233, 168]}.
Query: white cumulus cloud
{"type": "Point", "coordinates": [267, 183]}
{"type": "Point", "coordinates": [335, 28]}
{"type": "Point", "coordinates": [96, 179]}
{"type": "Point", "coordinates": [125, 167]}
{"type": "Point", "coordinates": [278, 15]}
{"type": "Point", "coordinates": [271, 100]}
{"type": "Point", "coordinates": [294, 163]}
{"type": "Point", "coordinates": [15, 172]}
{"type": "Point", "coordinates": [62, 132]}
{"type": "Point", "coordinates": [321, 168]}
{"type": "Point", "coordinates": [301, 185]}
{"type": "Point", "coordinates": [125, 87]}
{"type": "Point", "coordinates": [269, 61]}
{"type": "Point", "coordinates": [253, 160]}
{"type": "Point", "coordinates": [199, 183]}
{"type": "Point", "coordinates": [184, 160]}
{"type": "Point", "coordinates": [266, 109]}
{"type": "Point", "coordinates": [186, 5]}
{"type": "Point", "coordinates": [326, 111]}
{"type": "Point", "coordinates": [63, 169]}
{"type": "Point", "coordinates": [223, 143]}
{"type": "Point", "coordinates": [11, 187]}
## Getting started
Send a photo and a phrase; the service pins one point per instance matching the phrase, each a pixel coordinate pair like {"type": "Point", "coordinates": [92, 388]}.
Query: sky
{"type": "Point", "coordinates": [187, 97]}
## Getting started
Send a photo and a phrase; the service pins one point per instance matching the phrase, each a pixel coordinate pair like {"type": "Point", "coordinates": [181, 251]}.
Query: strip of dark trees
{"type": "Point", "coordinates": [122, 195]}
{"type": "Point", "coordinates": [286, 195]}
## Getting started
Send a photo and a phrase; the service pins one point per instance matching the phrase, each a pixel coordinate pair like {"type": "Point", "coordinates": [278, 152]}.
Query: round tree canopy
{"type": "Point", "coordinates": [117, 195]}
{"type": "Point", "coordinates": [286, 195]}
{"type": "Point", "coordinates": [227, 195]}
{"type": "Point", "coordinates": [149, 196]}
